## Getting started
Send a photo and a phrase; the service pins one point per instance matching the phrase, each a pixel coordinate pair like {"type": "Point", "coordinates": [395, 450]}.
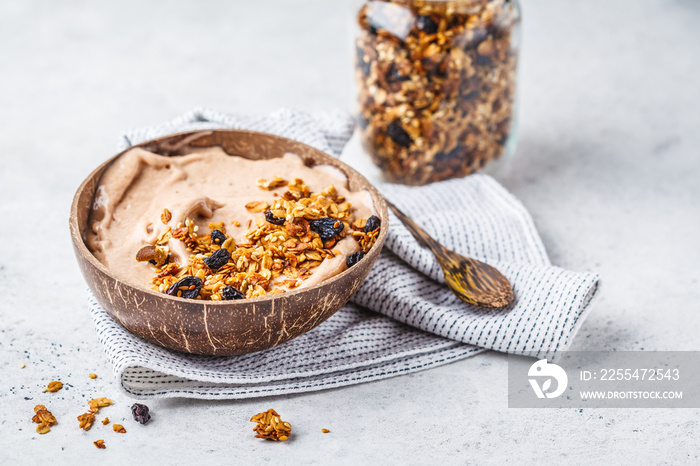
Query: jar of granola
{"type": "Point", "coordinates": [436, 84]}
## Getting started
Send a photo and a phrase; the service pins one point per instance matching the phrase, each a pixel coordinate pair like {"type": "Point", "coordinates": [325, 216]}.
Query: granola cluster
{"type": "Point", "coordinates": [436, 84]}
{"type": "Point", "coordinates": [270, 426]}
{"type": "Point", "coordinates": [290, 238]}
{"type": "Point", "coordinates": [44, 418]}
{"type": "Point", "coordinates": [86, 420]}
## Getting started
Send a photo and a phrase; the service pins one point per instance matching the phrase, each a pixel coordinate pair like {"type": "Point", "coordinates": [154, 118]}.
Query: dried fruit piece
{"type": "Point", "coordinates": [53, 386]}
{"type": "Point", "coordinates": [354, 258]}
{"type": "Point", "coordinates": [230, 292]}
{"type": "Point", "coordinates": [187, 287]}
{"type": "Point", "coordinates": [327, 227]}
{"type": "Point", "coordinates": [218, 259]}
{"type": "Point", "coordinates": [397, 134]}
{"type": "Point", "coordinates": [85, 420]}
{"type": "Point", "coordinates": [141, 413]}
{"type": "Point", "coordinates": [217, 237]}
{"type": "Point", "coordinates": [270, 426]}
{"type": "Point", "coordinates": [118, 428]}
{"type": "Point", "coordinates": [100, 444]}
{"type": "Point", "coordinates": [426, 24]}
{"type": "Point", "coordinates": [270, 217]}
{"type": "Point", "coordinates": [372, 224]}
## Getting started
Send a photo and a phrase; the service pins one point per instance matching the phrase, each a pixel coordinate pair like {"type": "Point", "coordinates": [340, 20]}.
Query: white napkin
{"type": "Point", "coordinates": [417, 322]}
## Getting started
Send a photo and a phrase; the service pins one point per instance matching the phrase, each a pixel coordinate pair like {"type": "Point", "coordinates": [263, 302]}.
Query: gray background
{"type": "Point", "coordinates": [607, 164]}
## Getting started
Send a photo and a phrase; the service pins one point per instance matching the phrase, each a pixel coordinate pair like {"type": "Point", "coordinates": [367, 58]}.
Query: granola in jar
{"type": "Point", "coordinates": [436, 83]}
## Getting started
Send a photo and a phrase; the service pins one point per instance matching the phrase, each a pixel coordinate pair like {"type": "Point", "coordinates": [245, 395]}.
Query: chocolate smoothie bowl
{"type": "Point", "coordinates": [224, 242]}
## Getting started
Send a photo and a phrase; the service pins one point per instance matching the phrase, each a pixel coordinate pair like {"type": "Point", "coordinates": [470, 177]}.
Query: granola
{"type": "Point", "coordinates": [270, 426]}
{"type": "Point", "coordinates": [53, 386]}
{"type": "Point", "coordinates": [436, 83]}
{"type": "Point", "coordinates": [44, 418]}
{"type": "Point", "coordinates": [86, 420]}
{"type": "Point", "coordinates": [292, 237]}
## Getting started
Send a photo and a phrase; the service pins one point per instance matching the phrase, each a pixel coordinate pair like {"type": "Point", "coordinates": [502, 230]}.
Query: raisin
{"type": "Point", "coordinates": [455, 153]}
{"type": "Point", "coordinates": [426, 24]}
{"type": "Point", "coordinates": [217, 237]}
{"type": "Point", "coordinates": [327, 227]}
{"type": "Point", "coordinates": [398, 134]}
{"type": "Point", "coordinates": [270, 217]}
{"type": "Point", "coordinates": [229, 292]}
{"type": "Point", "coordinates": [140, 412]}
{"type": "Point", "coordinates": [354, 258]}
{"type": "Point", "coordinates": [218, 259]}
{"type": "Point", "coordinates": [393, 75]}
{"type": "Point", "coordinates": [187, 282]}
{"type": "Point", "coordinates": [372, 223]}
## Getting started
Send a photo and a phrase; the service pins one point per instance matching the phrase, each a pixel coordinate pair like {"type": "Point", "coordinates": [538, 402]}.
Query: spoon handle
{"type": "Point", "coordinates": [418, 233]}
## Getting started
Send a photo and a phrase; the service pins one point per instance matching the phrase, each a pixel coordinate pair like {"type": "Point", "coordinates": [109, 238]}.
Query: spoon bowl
{"type": "Point", "coordinates": [471, 280]}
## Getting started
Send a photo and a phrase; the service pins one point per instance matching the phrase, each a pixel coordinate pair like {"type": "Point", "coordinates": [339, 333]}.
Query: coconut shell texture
{"type": "Point", "coordinates": [227, 327]}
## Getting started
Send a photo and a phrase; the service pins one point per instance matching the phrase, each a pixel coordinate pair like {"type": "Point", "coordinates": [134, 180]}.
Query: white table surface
{"type": "Point", "coordinates": [607, 163]}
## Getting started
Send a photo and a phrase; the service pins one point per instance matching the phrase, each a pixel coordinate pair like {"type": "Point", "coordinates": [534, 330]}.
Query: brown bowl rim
{"type": "Point", "coordinates": [79, 241]}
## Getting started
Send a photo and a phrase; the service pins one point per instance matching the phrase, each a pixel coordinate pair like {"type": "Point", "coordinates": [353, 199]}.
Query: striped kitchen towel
{"type": "Point", "coordinates": [403, 318]}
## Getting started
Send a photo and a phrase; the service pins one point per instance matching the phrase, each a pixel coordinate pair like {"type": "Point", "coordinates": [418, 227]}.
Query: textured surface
{"type": "Point", "coordinates": [607, 165]}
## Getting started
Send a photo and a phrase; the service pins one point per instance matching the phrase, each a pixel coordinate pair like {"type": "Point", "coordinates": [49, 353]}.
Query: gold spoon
{"type": "Point", "coordinates": [471, 280]}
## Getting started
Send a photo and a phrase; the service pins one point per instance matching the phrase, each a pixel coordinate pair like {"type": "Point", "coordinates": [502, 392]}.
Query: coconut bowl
{"type": "Point", "coordinates": [221, 327]}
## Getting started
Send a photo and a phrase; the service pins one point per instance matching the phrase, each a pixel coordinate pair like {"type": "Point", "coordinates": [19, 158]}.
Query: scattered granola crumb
{"type": "Point", "coordinates": [97, 403]}
{"type": "Point", "coordinates": [325, 431]}
{"type": "Point", "coordinates": [53, 386]}
{"type": "Point", "coordinates": [22, 366]}
{"type": "Point", "coordinates": [42, 429]}
{"type": "Point", "coordinates": [105, 421]}
{"type": "Point", "coordinates": [93, 376]}
{"type": "Point", "coordinates": [100, 444]}
{"type": "Point", "coordinates": [44, 418]}
{"type": "Point", "coordinates": [118, 428]}
{"type": "Point", "coordinates": [270, 426]}
{"type": "Point", "coordinates": [85, 420]}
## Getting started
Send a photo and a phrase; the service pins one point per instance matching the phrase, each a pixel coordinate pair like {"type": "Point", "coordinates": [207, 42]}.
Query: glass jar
{"type": "Point", "coordinates": [436, 85]}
